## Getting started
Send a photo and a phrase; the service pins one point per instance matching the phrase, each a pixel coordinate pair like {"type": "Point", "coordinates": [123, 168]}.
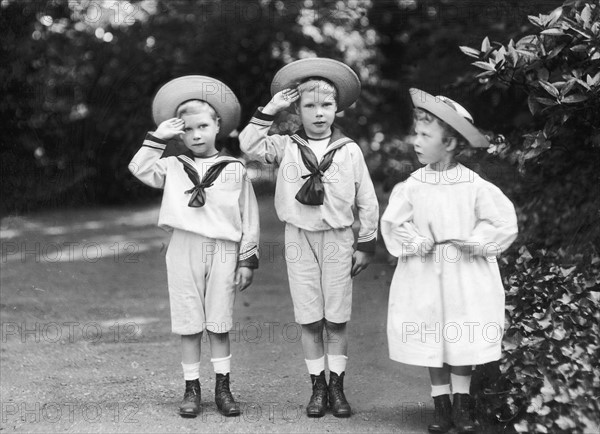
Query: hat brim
{"type": "Point", "coordinates": [342, 76]}
{"type": "Point", "coordinates": [439, 108]}
{"type": "Point", "coordinates": [188, 87]}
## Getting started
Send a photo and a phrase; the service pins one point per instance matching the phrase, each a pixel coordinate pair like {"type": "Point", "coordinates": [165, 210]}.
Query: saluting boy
{"type": "Point", "coordinates": [322, 179]}
{"type": "Point", "coordinates": [209, 205]}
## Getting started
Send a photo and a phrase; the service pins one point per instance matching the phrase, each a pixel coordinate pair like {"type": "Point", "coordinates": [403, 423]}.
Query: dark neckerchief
{"type": "Point", "coordinates": [198, 198]}
{"type": "Point", "coordinates": [313, 191]}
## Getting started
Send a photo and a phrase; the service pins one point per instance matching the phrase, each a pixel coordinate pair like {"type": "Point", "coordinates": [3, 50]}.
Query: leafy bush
{"type": "Point", "coordinates": [549, 378]}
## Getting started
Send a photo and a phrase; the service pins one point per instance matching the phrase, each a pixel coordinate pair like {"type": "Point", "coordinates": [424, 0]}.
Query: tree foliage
{"type": "Point", "coordinates": [80, 77]}
{"type": "Point", "coordinates": [550, 379]}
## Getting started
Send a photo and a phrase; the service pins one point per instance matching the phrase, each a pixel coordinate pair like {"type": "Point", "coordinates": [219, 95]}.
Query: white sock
{"type": "Point", "coordinates": [337, 363]}
{"type": "Point", "coordinates": [191, 371]}
{"type": "Point", "coordinates": [222, 365]}
{"type": "Point", "coordinates": [315, 366]}
{"type": "Point", "coordinates": [443, 389]}
{"type": "Point", "coordinates": [460, 383]}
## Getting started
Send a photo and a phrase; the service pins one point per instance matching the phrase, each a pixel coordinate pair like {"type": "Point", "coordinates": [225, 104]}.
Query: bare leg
{"type": "Point", "coordinates": [337, 338]}
{"type": "Point", "coordinates": [190, 348]}
{"type": "Point", "coordinates": [312, 340]}
{"type": "Point", "coordinates": [219, 345]}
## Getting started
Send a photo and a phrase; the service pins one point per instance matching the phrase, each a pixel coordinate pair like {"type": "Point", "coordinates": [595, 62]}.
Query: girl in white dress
{"type": "Point", "coordinates": [447, 226]}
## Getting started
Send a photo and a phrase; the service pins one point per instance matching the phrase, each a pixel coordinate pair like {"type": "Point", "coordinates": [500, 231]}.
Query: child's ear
{"type": "Point", "coordinates": [451, 143]}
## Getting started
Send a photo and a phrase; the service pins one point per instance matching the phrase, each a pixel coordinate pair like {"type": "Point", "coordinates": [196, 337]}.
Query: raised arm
{"type": "Point", "coordinates": [146, 164]}
{"type": "Point", "coordinates": [255, 142]}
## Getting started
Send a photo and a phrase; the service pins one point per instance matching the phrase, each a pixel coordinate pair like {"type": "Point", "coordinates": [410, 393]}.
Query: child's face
{"type": "Point", "coordinates": [200, 133]}
{"type": "Point", "coordinates": [316, 109]}
{"type": "Point", "coordinates": [429, 143]}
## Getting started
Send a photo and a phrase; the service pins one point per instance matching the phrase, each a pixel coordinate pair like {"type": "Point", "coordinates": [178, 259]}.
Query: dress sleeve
{"type": "Point", "coordinates": [257, 145]}
{"type": "Point", "coordinates": [399, 233]}
{"type": "Point", "coordinates": [496, 224]}
{"type": "Point", "coordinates": [248, 256]}
{"type": "Point", "coordinates": [147, 166]}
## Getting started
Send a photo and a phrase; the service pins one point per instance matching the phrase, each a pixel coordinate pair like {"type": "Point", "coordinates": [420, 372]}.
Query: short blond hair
{"type": "Point", "coordinates": [318, 84]}
{"type": "Point", "coordinates": [195, 106]}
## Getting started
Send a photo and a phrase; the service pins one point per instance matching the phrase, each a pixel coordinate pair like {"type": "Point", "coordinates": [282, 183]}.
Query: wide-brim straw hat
{"type": "Point", "coordinates": [452, 113]}
{"type": "Point", "coordinates": [342, 76]}
{"type": "Point", "coordinates": [208, 89]}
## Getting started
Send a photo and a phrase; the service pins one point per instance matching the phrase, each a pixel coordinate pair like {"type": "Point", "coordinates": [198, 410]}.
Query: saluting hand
{"type": "Point", "coordinates": [281, 101]}
{"type": "Point", "coordinates": [169, 129]}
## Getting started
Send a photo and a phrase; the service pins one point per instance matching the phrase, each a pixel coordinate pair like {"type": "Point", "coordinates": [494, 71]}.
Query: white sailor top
{"type": "Point", "coordinates": [316, 196]}
{"type": "Point", "coordinates": [219, 205]}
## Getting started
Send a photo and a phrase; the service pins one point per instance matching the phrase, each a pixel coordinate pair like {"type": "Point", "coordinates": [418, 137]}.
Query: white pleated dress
{"type": "Point", "coordinates": [447, 307]}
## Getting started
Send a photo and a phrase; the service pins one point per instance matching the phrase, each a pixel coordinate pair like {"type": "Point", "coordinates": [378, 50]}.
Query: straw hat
{"type": "Point", "coordinates": [342, 76]}
{"type": "Point", "coordinates": [214, 92]}
{"type": "Point", "coordinates": [452, 113]}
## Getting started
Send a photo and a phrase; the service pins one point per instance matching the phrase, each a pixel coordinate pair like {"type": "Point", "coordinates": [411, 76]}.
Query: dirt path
{"type": "Point", "coordinates": [86, 343]}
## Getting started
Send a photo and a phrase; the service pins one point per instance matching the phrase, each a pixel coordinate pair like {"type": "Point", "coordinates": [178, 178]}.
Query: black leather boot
{"type": "Point", "coordinates": [337, 399]}
{"type": "Point", "coordinates": [223, 397]}
{"type": "Point", "coordinates": [442, 419]}
{"type": "Point", "coordinates": [461, 413]}
{"type": "Point", "coordinates": [317, 406]}
{"type": "Point", "coordinates": [190, 406]}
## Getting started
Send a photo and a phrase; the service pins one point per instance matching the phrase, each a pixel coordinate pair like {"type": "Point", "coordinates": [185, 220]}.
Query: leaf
{"type": "Point", "coordinates": [566, 271]}
{"type": "Point", "coordinates": [547, 390]}
{"type": "Point", "coordinates": [533, 105]}
{"type": "Point", "coordinates": [559, 333]}
{"type": "Point", "coordinates": [535, 404]}
{"type": "Point", "coordinates": [583, 84]}
{"type": "Point", "coordinates": [546, 101]}
{"type": "Point", "coordinates": [567, 87]}
{"type": "Point", "coordinates": [536, 21]}
{"type": "Point", "coordinates": [470, 51]}
{"type": "Point", "coordinates": [580, 48]}
{"type": "Point", "coordinates": [573, 99]}
{"type": "Point", "coordinates": [592, 81]}
{"type": "Point", "coordinates": [565, 423]}
{"type": "Point", "coordinates": [486, 74]}
{"type": "Point", "coordinates": [484, 65]}
{"type": "Point", "coordinates": [586, 16]}
{"type": "Point", "coordinates": [553, 32]}
{"type": "Point", "coordinates": [549, 87]}
{"type": "Point", "coordinates": [555, 15]}
{"type": "Point", "coordinates": [485, 44]}
{"type": "Point", "coordinates": [513, 55]}
{"type": "Point", "coordinates": [556, 50]}
{"type": "Point", "coordinates": [543, 74]}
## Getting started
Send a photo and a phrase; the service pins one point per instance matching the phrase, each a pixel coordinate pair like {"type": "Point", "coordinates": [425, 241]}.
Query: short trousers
{"type": "Point", "coordinates": [201, 280]}
{"type": "Point", "coordinates": [319, 265]}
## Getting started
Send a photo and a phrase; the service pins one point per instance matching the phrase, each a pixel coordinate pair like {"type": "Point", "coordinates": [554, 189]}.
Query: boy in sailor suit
{"type": "Point", "coordinates": [209, 205]}
{"type": "Point", "coordinates": [322, 179]}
